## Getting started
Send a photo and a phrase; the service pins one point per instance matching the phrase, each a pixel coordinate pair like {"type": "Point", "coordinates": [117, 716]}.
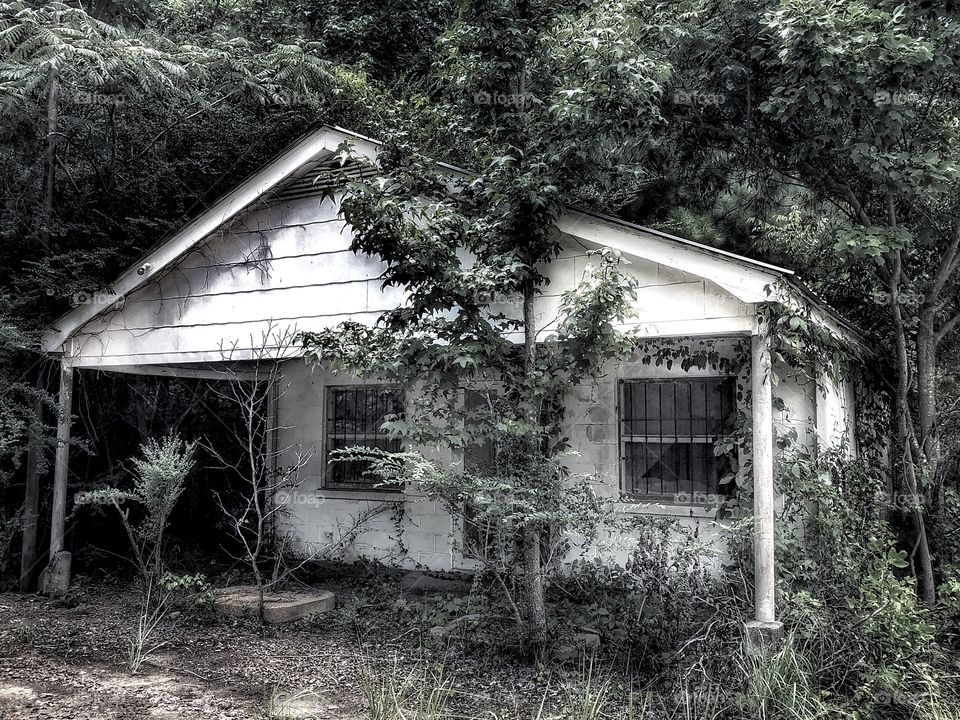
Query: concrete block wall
{"type": "Point", "coordinates": [592, 425]}
{"type": "Point", "coordinates": [425, 535]}
{"type": "Point", "coordinates": [404, 529]}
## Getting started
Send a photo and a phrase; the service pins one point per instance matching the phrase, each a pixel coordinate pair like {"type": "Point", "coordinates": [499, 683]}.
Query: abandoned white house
{"type": "Point", "coordinates": [274, 253]}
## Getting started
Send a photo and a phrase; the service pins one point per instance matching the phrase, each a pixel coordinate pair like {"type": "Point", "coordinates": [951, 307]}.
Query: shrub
{"type": "Point", "coordinates": [158, 481]}
{"type": "Point", "coordinates": [859, 634]}
{"type": "Point", "coordinates": [664, 604]}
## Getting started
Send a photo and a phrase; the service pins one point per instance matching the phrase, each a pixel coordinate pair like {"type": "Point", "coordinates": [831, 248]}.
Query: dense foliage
{"type": "Point", "coordinates": [819, 135]}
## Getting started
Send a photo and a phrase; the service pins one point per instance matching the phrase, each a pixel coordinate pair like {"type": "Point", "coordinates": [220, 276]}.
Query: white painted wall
{"type": "Point", "coordinates": [318, 516]}
{"type": "Point", "coordinates": [836, 414]}
{"type": "Point", "coordinates": [287, 266]}
{"type": "Point", "coordinates": [426, 536]}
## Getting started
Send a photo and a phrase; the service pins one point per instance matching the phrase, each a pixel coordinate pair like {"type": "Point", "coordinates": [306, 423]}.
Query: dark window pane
{"type": "Point", "coordinates": [667, 436]}
{"type": "Point", "coordinates": [626, 409]}
{"type": "Point", "coordinates": [651, 412]}
{"type": "Point", "coordinates": [684, 409]}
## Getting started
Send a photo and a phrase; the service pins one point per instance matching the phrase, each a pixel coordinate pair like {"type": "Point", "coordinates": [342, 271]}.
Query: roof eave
{"type": "Point", "coordinates": [222, 211]}
{"type": "Point", "coordinates": [308, 146]}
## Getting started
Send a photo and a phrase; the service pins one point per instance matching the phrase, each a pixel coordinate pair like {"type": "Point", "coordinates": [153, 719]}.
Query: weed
{"type": "Point", "coordinates": [780, 687]}
{"type": "Point", "coordinates": [588, 694]}
{"type": "Point", "coordinates": [422, 692]}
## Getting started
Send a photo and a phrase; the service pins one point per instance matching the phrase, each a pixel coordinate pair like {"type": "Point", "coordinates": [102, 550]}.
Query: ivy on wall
{"type": "Point", "coordinates": [804, 340]}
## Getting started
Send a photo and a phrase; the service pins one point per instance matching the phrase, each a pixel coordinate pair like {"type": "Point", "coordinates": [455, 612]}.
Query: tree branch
{"type": "Point", "coordinates": [947, 328]}
{"type": "Point", "coordinates": [945, 270]}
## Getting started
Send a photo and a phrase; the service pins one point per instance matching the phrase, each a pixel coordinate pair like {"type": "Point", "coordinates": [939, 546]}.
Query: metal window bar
{"type": "Point", "coordinates": [355, 415]}
{"type": "Point", "coordinates": [677, 465]}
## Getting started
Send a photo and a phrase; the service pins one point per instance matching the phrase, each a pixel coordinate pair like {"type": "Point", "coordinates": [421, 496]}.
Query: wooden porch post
{"type": "Point", "coordinates": [764, 626]}
{"type": "Point", "coordinates": [56, 577]}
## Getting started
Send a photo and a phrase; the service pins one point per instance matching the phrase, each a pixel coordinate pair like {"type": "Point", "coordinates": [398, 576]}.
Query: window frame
{"type": "Point", "coordinates": [695, 497]}
{"type": "Point", "coordinates": [326, 469]}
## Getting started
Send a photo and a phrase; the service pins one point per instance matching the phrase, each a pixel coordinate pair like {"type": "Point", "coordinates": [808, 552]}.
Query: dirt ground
{"type": "Point", "coordinates": [66, 660]}
{"type": "Point", "coordinates": [59, 662]}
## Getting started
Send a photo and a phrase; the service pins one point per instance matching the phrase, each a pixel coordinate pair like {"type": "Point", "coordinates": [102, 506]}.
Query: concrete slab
{"type": "Point", "coordinates": [279, 606]}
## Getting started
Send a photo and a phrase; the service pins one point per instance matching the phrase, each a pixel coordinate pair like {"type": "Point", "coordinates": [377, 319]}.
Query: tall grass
{"type": "Point", "coordinates": [587, 695]}
{"type": "Point", "coordinates": [773, 683]}
{"type": "Point", "coordinates": [280, 705]}
{"type": "Point", "coordinates": [780, 686]}
{"type": "Point", "coordinates": [423, 692]}
{"type": "Point", "coordinates": [700, 702]}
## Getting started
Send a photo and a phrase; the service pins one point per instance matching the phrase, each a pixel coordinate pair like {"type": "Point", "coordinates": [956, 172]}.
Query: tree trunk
{"type": "Point", "coordinates": [31, 494]}
{"type": "Point", "coordinates": [927, 399]}
{"type": "Point", "coordinates": [53, 92]}
{"type": "Point", "coordinates": [536, 609]}
{"type": "Point", "coordinates": [923, 563]}
{"type": "Point", "coordinates": [534, 601]}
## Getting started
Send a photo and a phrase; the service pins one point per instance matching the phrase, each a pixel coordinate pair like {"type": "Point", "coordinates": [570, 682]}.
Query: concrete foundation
{"type": "Point", "coordinates": [763, 636]}
{"type": "Point", "coordinates": [278, 607]}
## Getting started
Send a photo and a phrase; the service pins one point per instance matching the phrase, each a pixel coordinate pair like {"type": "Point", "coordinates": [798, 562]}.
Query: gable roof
{"type": "Point", "coordinates": [294, 173]}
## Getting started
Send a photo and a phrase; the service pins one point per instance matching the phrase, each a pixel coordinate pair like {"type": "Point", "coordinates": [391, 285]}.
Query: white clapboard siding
{"type": "Point", "coordinates": [277, 274]}
{"type": "Point", "coordinates": [286, 267]}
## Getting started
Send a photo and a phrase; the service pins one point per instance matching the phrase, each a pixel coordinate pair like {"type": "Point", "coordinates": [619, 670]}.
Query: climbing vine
{"type": "Point", "coordinates": [699, 353]}
{"type": "Point", "coordinates": [803, 339]}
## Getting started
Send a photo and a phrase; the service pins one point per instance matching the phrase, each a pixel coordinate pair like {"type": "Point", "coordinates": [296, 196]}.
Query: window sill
{"type": "Point", "coordinates": [347, 493]}
{"type": "Point", "coordinates": [641, 507]}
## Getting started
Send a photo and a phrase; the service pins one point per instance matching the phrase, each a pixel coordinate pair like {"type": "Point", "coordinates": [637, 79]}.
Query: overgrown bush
{"type": "Point", "coordinates": [948, 612]}
{"type": "Point", "coordinates": [859, 637]}
{"type": "Point", "coordinates": [859, 645]}
{"type": "Point", "coordinates": [944, 531]}
{"type": "Point", "coordinates": [158, 481]}
{"type": "Point", "coordinates": [665, 600]}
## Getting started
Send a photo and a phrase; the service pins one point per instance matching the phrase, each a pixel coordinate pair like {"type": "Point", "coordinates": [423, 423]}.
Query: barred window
{"type": "Point", "coordinates": [355, 415]}
{"type": "Point", "coordinates": [668, 429]}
